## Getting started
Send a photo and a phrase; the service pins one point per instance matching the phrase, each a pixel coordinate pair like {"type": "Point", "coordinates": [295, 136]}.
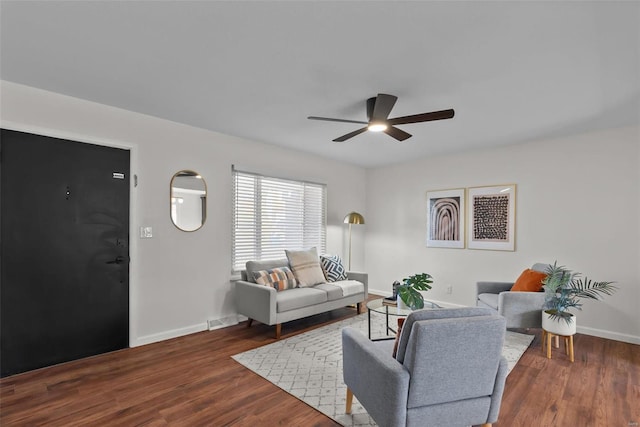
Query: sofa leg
{"type": "Point", "coordinates": [249, 322]}
{"type": "Point", "coordinates": [278, 330]}
{"type": "Point", "coordinates": [359, 307]}
{"type": "Point", "coordinates": [349, 401]}
{"type": "Point", "coordinates": [486, 425]}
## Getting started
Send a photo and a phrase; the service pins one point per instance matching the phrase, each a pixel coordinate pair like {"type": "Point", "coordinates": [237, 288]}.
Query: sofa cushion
{"type": "Point", "coordinates": [350, 287]}
{"type": "Point", "coordinates": [333, 292]}
{"type": "Point", "coordinates": [306, 267]}
{"type": "Point", "coordinates": [529, 281]}
{"type": "Point", "coordinates": [490, 300]}
{"type": "Point", "coordinates": [255, 266]}
{"type": "Point", "coordinates": [299, 298]}
{"type": "Point", "coordinates": [333, 268]}
{"type": "Point", "coordinates": [278, 278]}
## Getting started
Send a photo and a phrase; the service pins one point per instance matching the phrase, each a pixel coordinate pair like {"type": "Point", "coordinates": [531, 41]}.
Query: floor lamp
{"type": "Point", "coordinates": [352, 218]}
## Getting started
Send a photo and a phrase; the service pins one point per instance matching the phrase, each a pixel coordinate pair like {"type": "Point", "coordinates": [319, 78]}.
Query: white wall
{"type": "Point", "coordinates": [180, 280]}
{"type": "Point", "coordinates": [577, 202]}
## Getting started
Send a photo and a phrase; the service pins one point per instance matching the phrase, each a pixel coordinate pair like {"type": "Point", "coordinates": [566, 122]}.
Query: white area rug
{"type": "Point", "coordinates": [309, 366]}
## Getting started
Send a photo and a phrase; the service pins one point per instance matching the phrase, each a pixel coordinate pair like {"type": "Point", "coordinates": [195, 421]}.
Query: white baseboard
{"type": "Point", "coordinates": [616, 336]}
{"type": "Point", "coordinates": [446, 304]}
{"type": "Point", "coordinates": [166, 335]}
{"type": "Point", "coordinates": [233, 320]}
{"type": "Point", "coordinates": [379, 292]}
{"type": "Point", "coordinates": [175, 333]}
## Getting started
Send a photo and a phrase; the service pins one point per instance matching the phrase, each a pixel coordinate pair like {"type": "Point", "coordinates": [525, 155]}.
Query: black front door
{"type": "Point", "coordinates": [64, 290]}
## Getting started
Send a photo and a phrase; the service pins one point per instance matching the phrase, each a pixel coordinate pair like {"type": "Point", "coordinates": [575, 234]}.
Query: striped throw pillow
{"type": "Point", "coordinates": [333, 268]}
{"type": "Point", "coordinates": [280, 279]}
{"type": "Point", "coordinates": [306, 267]}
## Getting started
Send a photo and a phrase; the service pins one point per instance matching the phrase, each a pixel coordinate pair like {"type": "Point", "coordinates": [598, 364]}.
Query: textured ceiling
{"type": "Point", "coordinates": [513, 71]}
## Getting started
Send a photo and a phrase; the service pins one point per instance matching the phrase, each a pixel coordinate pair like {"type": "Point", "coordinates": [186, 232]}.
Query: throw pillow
{"type": "Point", "coordinates": [278, 278]}
{"type": "Point", "coordinates": [529, 281]}
{"type": "Point", "coordinates": [333, 269]}
{"type": "Point", "coordinates": [306, 267]}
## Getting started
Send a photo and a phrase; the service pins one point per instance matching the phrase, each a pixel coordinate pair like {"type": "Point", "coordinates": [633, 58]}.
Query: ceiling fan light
{"type": "Point", "coordinates": [377, 127]}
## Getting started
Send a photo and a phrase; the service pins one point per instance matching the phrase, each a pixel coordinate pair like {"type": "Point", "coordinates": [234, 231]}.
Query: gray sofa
{"type": "Point", "coordinates": [268, 306]}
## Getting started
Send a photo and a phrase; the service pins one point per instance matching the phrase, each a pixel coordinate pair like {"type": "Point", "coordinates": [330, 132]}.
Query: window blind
{"type": "Point", "coordinates": [272, 214]}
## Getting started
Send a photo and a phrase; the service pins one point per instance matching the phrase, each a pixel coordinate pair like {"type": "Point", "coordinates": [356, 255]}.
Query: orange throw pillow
{"type": "Point", "coordinates": [529, 281]}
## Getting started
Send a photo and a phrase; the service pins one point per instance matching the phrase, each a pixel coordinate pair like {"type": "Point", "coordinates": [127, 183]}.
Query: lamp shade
{"type": "Point", "coordinates": [354, 218]}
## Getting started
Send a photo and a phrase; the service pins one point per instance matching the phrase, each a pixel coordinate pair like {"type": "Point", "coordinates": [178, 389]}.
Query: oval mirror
{"type": "Point", "coordinates": [188, 200]}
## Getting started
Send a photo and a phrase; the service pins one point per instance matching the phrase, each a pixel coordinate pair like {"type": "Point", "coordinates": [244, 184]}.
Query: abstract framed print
{"type": "Point", "coordinates": [445, 218]}
{"type": "Point", "coordinates": [492, 217]}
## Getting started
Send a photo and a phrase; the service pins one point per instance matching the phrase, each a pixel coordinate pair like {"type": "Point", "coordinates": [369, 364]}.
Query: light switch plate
{"type": "Point", "coordinates": [146, 232]}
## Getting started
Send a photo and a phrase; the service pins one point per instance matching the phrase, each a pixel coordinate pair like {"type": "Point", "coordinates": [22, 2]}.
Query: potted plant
{"type": "Point", "coordinates": [563, 291]}
{"type": "Point", "coordinates": [408, 290]}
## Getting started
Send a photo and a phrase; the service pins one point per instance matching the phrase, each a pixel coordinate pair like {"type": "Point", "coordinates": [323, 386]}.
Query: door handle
{"type": "Point", "coordinates": [119, 260]}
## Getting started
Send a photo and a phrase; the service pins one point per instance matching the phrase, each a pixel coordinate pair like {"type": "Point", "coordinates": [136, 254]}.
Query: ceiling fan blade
{"type": "Point", "coordinates": [327, 119]}
{"type": "Point", "coordinates": [398, 134]}
{"type": "Point", "coordinates": [424, 117]}
{"type": "Point", "coordinates": [350, 135]}
{"type": "Point", "coordinates": [382, 107]}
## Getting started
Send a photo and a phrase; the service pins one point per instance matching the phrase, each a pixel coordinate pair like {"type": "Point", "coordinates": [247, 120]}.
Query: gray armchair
{"type": "Point", "coordinates": [521, 309]}
{"type": "Point", "coordinates": [448, 371]}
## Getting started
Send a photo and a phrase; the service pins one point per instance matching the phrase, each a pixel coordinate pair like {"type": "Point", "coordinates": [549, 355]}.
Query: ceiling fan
{"type": "Point", "coordinates": [378, 110]}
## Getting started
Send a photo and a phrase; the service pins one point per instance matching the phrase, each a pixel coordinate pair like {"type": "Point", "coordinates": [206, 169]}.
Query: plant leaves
{"type": "Point", "coordinates": [411, 297]}
{"type": "Point", "coordinates": [560, 315]}
{"type": "Point", "coordinates": [564, 289]}
{"type": "Point", "coordinates": [419, 281]}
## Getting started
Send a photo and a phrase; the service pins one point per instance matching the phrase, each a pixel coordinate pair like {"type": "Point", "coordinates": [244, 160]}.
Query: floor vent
{"type": "Point", "coordinates": [222, 323]}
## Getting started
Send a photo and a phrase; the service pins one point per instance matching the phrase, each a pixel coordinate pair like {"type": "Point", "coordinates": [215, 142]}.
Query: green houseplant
{"type": "Point", "coordinates": [408, 290]}
{"type": "Point", "coordinates": [564, 289]}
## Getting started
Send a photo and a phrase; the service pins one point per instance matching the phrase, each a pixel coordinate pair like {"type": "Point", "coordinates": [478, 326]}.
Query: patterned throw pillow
{"type": "Point", "coordinates": [333, 269]}
{"type": "Point", "coordinates": [306, 267]}
{"type": "Point", "coordinates": [278, 278]}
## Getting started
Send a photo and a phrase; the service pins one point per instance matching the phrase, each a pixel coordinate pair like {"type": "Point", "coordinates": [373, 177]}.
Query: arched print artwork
{"type": "Point", "coordinates": [445, 214]}
{"type": "Point", "coordinates": [445, 218]}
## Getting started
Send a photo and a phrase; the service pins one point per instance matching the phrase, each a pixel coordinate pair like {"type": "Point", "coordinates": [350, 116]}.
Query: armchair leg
{"type": "Point", "coordinates": [349, 401]}
{"type": "Point", "coordinates": [359, 307]}
{"type": "Point", "coordinates": [486, 425]}
{"type": "Point", "coordinates": [249, 322]}
{"type": "Point", "coordinates": [278, 330]}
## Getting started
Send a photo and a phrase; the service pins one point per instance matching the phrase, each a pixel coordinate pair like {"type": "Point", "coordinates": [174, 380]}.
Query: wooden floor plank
{"type": "Point", "coordinates": [192, 380]}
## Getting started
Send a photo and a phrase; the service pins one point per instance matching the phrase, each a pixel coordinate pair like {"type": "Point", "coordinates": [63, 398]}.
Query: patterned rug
{"type": "Point", "coordinates": [309, 366]}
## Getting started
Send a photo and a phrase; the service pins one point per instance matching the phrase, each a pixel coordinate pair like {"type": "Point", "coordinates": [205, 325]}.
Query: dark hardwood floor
{"type": "Point", "coordinates": [192, 381]}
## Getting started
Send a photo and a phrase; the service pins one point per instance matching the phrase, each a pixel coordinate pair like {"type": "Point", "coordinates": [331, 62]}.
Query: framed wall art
{"type": "Point", "coordinates": [445, 218]}
{"type": "Point", "coordinates": [492, 215]}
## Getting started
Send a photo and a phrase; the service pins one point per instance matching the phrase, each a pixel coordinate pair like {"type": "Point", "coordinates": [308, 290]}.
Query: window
{"type": "Point", "coordinates": [272, 214]}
